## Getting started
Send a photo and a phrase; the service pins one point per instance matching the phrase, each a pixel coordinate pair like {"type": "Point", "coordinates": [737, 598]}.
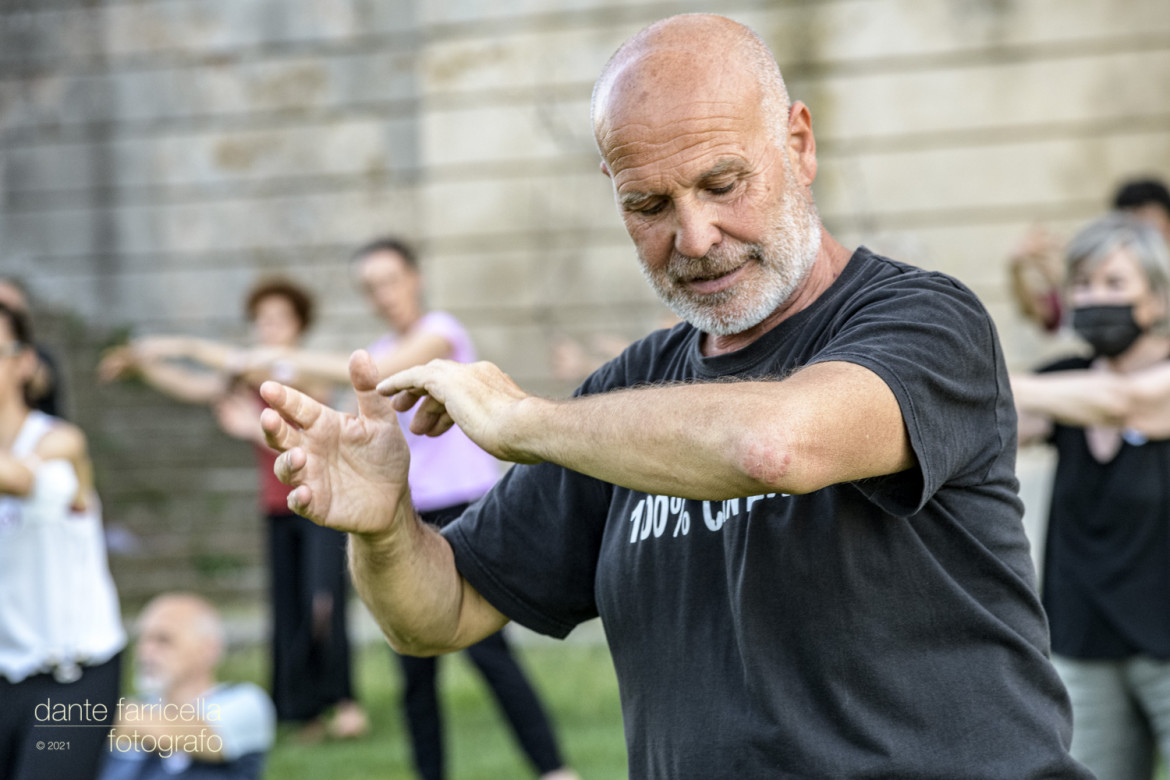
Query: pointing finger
{"type": "Point", "coordinates": [410, 379]}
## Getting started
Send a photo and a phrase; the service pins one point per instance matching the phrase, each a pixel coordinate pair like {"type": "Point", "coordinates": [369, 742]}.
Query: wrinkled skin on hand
{"type": "Point", "coordinates": [347, 472]}
{"type": "Point", "coordinates": [478, 397]}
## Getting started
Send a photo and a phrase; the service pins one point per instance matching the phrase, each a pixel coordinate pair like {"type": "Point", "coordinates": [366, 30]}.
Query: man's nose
{"type": "Point", "coordinates": [696, 230]}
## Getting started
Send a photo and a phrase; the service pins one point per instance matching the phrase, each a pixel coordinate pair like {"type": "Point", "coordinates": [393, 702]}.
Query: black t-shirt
{"type": "Point", "coordinates": [1107, 555]}
{"type": "Point", "coordinates": [888, 628]}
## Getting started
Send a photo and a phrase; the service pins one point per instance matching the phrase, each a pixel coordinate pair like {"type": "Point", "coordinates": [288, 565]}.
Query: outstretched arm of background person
{"type": "Point", "coordinates": [152, 358]}
{"type": "Point", "coordinates": [350, 473]}
{"type": "Point", "coordinates": [216, 355]}
{"type": "Point", "coordinates": [828, 423]}
{"type": "Point", "coordinates": [412, 350]}
{"type": "Point", "coordinates": [1088, 398]}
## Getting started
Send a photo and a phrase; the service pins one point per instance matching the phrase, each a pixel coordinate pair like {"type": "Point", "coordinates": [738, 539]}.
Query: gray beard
{"type": "Point", "coordinates": [787, 256]}
{"type": "Point", "coordinates": [148, 685]}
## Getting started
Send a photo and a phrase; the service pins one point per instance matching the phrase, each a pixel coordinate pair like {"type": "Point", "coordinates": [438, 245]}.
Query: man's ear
{"type": "Point", "coordinates": [802, 144]}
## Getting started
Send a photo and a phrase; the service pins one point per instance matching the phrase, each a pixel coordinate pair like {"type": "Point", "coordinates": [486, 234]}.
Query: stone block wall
{"type": "Point", "coordinates": [158, 156]}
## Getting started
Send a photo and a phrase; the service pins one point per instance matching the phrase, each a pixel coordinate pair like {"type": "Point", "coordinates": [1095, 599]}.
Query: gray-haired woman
{"type": "Point", "coordinates": [1107, 555]}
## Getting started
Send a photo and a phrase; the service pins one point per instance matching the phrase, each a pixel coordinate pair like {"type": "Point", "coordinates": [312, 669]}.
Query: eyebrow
{"type": "Point", "coordinates": [724, 166]}
{"type": "Point", "coordinates": [634, 200]}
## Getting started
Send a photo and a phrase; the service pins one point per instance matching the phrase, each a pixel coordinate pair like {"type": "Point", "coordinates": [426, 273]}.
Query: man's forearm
{"type": "Point", "coordinates": [407, 578]}
{"type": "Point", "coordinates": [831, 423]}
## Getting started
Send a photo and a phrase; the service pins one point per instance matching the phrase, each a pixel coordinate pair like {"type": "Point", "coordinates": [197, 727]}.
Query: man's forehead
{"type": "Point", "coordinates": [168, 617]}
{"type": "Point", "coordinates": [664, 107]}
{"type": "Point", "coordinates": [691, 148]}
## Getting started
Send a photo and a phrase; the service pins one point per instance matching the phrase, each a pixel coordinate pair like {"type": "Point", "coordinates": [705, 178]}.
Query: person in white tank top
{"type": "Point", "coordinates": [60, 626]}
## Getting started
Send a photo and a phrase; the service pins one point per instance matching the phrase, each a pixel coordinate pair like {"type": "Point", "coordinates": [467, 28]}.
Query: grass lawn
{"type": "Point", "coordinates": [576, 681]}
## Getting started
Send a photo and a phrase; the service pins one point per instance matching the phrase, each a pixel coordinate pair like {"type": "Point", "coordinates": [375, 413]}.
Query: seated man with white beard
{"type": "Point", "coordinates": [796, 512]}
{"type": "Point", "coordinates": [185, 724]}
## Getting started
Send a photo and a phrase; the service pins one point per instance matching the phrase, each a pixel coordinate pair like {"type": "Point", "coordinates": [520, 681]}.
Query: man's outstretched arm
{"type": "Point", "coordinates": [350, 473]}
{"type": "Point", "coordinates": [828, 423]}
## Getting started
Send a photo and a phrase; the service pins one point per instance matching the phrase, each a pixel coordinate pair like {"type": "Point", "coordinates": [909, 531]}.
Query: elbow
{"type": "Point", "coordinates": [769, 463]}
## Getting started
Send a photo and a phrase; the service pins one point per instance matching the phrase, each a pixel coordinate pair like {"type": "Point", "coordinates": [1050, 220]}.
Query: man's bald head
{"type": "Point", "coordinates": [193, 611]}
{"type": "Point", "coordinates": [691, 57]}
{"type": "Point", "coordinates": [180, 639]}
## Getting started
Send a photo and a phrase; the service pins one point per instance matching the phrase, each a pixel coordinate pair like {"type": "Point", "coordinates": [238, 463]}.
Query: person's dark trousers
{"type": "Point", "coordinates": [310, 644]}
{"type": "Point", "coordinates": [508, 683]}
{"type": "Point", "coordinates": [39, 740]}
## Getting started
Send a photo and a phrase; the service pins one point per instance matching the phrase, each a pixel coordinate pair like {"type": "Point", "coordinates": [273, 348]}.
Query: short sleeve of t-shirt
{"type": "Point", "coordinates": [247, 719]}
{"type": "Point", "coordinates": [553, 590]}
{"type": "Point", "coordinates": [931, 341]}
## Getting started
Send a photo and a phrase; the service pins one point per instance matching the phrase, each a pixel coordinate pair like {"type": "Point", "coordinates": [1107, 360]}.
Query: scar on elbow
{"type": "Point", "coordinates": [767, 464]}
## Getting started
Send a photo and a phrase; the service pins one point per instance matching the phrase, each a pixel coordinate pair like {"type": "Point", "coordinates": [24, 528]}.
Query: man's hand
{"type": "Point", "coordinates": [478, 397]}
{"type": "Point", "coordinates": [347, 472]}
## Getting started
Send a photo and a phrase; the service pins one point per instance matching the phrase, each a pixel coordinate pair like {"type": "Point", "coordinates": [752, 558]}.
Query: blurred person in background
{"type": "Point", "coordinates": [1106, 584]}
{"type": "Point", "coordinates": [311, 665]}
{"type": "Point", "coordinates": [1036, 264]}
{"type": "Point", "coordinates": [60, 630]}
{"type": "Point", "coordinates": [184, 723]}
{"type": "Point", "coordinates": [447, 473]}
{"type": "Point", "coordinates": [44, 387]}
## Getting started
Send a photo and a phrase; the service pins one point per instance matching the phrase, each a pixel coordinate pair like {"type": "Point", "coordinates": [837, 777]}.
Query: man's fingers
{"type": "Point", "coordinates": [288, 466]}
{"type": "Point", "coordinates": [415, 378]}
{"type": "Point", "coordinates": [293, 405]}
{"type": "Point", "coordinates": [363, 374]}
{"type": "Point", "coordinates": [444, 424]}
{"type": "Point", "coordinates": [393, 384]}
{"type": "Point", "coordinates": [299, 501]}
{"type": "Point", "coordinates": [279, 434]}
{"type": "Point", "coordinates": [431, 419]}
{"type": "Point", "coordinates": [406, 399]}
{"type": "Point", "coordinates": [289, 469]}
{"type": "Point", "coordinates": [363, 371]}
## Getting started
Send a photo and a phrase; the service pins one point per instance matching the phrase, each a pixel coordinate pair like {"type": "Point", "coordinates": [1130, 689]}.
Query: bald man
{"type": "Point", "coordinates": [795, 512]}
{"type": "Point", "coordinates": [186, 724]}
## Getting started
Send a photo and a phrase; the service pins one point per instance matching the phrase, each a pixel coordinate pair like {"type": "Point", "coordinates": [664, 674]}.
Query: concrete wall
{"type": "Point", "coordinates": [157, 156]}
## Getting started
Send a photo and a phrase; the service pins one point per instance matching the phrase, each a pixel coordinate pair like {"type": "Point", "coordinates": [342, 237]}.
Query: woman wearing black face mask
{"type": "Point", "coordinates": [1107, 555]}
